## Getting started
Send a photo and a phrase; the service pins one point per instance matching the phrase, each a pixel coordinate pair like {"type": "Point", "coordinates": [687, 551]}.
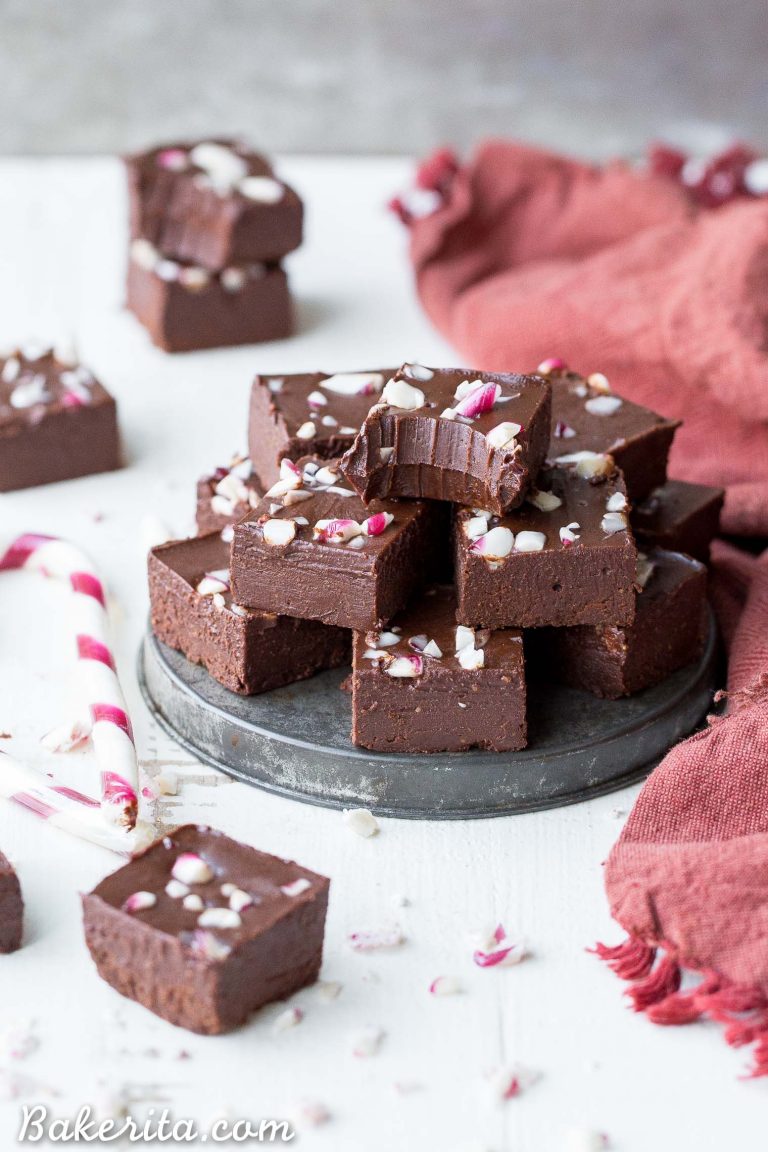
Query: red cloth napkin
{"type": "Point", "coordinates": [526, 255]}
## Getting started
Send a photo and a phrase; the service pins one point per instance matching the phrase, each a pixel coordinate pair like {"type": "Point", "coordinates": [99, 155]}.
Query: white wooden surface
{"type": "Point", "coordinates": [559, 1013]}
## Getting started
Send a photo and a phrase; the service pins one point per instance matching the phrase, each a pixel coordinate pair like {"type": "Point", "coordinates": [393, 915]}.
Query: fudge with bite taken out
{"type": "Point", "coordinates": [57, 422]}
{"type": "Point", "coordinates": [225, 495]}
{"type": "Point", "coordinates": [566, 556]}
{"type": "Point", "coordinates": [452, 434]}
{"type": "Point", "coordinates": [184, 307]}
{"type": "Point", "coordinates": [588, 417]}
{"type": "Point", "coordinates": [426, 685]}
{"type": "Point", "coordinates": [679, 517]}
{"type": "Point", "coordinates": [669, 632]}
{"type": "Point", "coordinates": [312, 414]}
{"type": "Point", "coordinates": [192, 611]}
{"type": "Point", "coordinates": [311, 548]}
{"type": "Point", "coordinates": [203, 930]}
{"type": "Point", "coordinates": [214, 203]}
{"type": "Point", "coordinates": [11, 907]}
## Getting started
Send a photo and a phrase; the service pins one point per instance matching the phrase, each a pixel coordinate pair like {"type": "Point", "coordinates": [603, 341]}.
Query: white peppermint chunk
{"type": "Point", "coordinates": [530, 541]}
{"type": "Point", "coordinates": [176, 890]}
{"type": "Point", "coordinates": [354, 383]}
{"type": "Point", "coordinates": [471, 658]}
{"type": "Point", "coordinates": [306, 431]}
{"type": "Point", "coordinates": [432, 649]}
{"type": "Point", "coordinates": [193, 902]}
{"type": "Point", "coordinates": [279, 532]}
{"type": "Point", "coordinates": [400, 394]}
{"type": "Point", "coordinates": [587, 464]}
{"type": "Point", "coordinates": [496, 544]}
{"type": "Point", "coordinates": [220, 163]}
{"type": "Point", "coordinates": [568, 534]}
{"type": "Point", "coordinates": [475, 527]}
{"type": "Point", "coordinates": [503, 435]}
{"type": "Point", "coordinates": [30, 392]}
{"type": "Point", "coordinates": [599, 382]}
{"type": "Point", "coordinates": [219, 918]}
{"type": "Point", "coordinates": [616, 503]}
{"type": "Point", "coordinates": [404, 667]}
{"type": "Point", "coordinates": [361, 821]}
{"type": "Point", "coordinates": [613, 522]}
{"type": "Point", "coordinates": [544, 501]}
{"type": "Point", "coordinates": [418, 372]}
{"type": "Point", "coordinates": [317, 400]}
{"type": "Point", "coordinates": [466, 388]}
{"type": "Point", "coordinates": [190, 868]}
{"type": "Point", "coordinates": [296, 887]}
{"type": "Point", "coordinates": [144, 254]}
{"type": "Point", "coordinates": [11, 369]}
{"type": "Point", "coordinates": [464, 637]}
{"type": "Point", "coordinates": [262, 189]}
{"type": "Point", "coordinates": [238, 900]}
{"type": "Point", "coordinates": [603, 405]}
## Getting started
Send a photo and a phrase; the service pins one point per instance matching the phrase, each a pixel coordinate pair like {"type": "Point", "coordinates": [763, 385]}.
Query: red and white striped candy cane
{"type": "Point", "coordinates": [110, 728]}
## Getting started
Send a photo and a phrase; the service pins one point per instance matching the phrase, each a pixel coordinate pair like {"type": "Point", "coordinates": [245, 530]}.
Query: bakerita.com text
{"type": "Point", "coordinates": [38, 1124]}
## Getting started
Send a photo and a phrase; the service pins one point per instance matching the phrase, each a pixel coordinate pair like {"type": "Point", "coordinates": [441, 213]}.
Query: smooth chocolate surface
{"type": "Point", "coordinates": [246, 651]}
{"type": "Point", "coordinates": [11, 907]}
{"type": "Point", "coordinates": [226, 495]}
{"type": "Point", "coordinates": [312, 414]}
{"type": "Point", "coordinates": [212, 203]}
{"type": "Point", "coordinates": [566, 556]}
{"type": "Point", "coordinates": [432, 435]}
{"type": "Point", "coordinates": [205, 953]}
{"type": "Point", "coordinates": [668, 633]}
{"type": "Point", "coordinates": [680, 517]}
{"type": "Point", "coordinates": [185, 308]}
{"type": "Point", "coordinates": [412, 693]}
{"type": "Point", "coordinates": [588, 417]}
{"type": "Point", "coordinates": [331, 558]}
{"type": "Point", "coordinates": [57, 422]}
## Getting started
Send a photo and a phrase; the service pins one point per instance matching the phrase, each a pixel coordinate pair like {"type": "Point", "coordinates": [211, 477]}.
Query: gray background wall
{"type": "Point", "coordinates": [376, 75]}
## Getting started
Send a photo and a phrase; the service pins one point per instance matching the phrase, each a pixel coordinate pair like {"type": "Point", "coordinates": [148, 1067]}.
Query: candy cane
{"type": "Point", "coordinates": [68, 809]}
{"type": "Point", "coordinates": [109, 726]}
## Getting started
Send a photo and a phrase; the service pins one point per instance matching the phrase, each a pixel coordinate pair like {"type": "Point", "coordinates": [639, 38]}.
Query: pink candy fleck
{"type": "Point", "coordinates": [378, 523]}
{"type": "Point", "coordinates": [499, 950]}
{"type": "Point", "coordinates": [552, 364]}
{"type": "Point", "coordinates": [477, 402]}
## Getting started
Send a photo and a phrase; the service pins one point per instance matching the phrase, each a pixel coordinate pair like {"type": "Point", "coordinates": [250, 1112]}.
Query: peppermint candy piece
{"type": "Point", "coordinates": [361, 821]}
{"type": "Point", "coordinates": [225, 918]}
{"type": "Point", "coordinates": [616, 503]}
{"type": "Point", "coordinates": [544, 501]}
{"type": "Point", "coordinates": [404, 667]}
{"type": "Point", "coordinates": [418, 372]}
{"type": "Point", "coordinates": [613, 522]}
{"type": "Point", "coordinates": [569, 535]}
{"type": "Point", "coordinates": [530, 541]}
{"type": "Point", "coordinates": [478, 401]}
{"type": "Point", "coordinates": [306, 431]}
{"type": "Point", "coordinates": [278, 533]}
{"type": "Point", "coordinates": [587, 464]}
{"type": "Point", "coordinates": [296, 887]}
{"type": "Point", "coordinates": [471, 659]}
{"type": "Point", "coordinates": [503, 435]}
{"type": "Point", "coordinates": [28, 393]}
{"type": "Point", "coordinates": [376, 524]}
{"type": "Point", "coordinates": [475, 527]}
{"type": "Point", "coordinates": [190, 868]}
{"type": "Point", "coordinates": [494, 545]}
{"type": "Point", "coordinates": [336, 531]}
{"type": "Point", "coordinates": [262, 189]}
{"type": "Point", "coordinates": [400, 394]}
{"type": "Point", "coordinates": [139, 902]}
{"type": "Point", "coordinates": [603, 405]}
{"type": "Point", "coordinates": [222, 166]}
{"type": "Point", "coordinates": [550, 365]}
{"type": "Point", "coordinates": [354, 383]}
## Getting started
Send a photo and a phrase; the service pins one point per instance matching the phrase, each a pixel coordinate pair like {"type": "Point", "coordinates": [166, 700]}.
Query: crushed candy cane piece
{"type": "Point", "coordinates": [191, 869]}
{"type": "Point", "coordinates": [176, 890]}
{"type": "Point", "coordinates": [211, 585]}
{"type": "Point", "coordinates": [599, 382]}
{"type": "Point", "coordinates": [494, 545]}
{"type": "Point", "coordinates": [400, 394]}
{"type": "Point", "coordinates": [478, 401]}
{"type": "Point", "coordinates": [167, 782]}
{"type": "Point", "coordinates": [603, 405]}
{"type": "Point", "coordinates": [306, 431]}
{"type": "Point", "coordinates": [361, 821]}
{"type": "Point", "coordinates": [551, 364]}
{"type": "Point", "coordinates": [586, 1140]}
{"type": "Point", "coordinates": [530, 541]}
{"type": "Point", "coordinates": [588, 464]}
{"type": "Point", "coordinates": [376, 524]}
{"type": "Point", "coordinates": [336, 531]}
{"type": "Point", "coordinates": [139, 901]}
{"type": "Point", "coordinates": [613, 522]}
{"type": "Point", "coordinates": [296, 887]}
{"type": "Point", "coordinates": [433, 650]}
{"type": "Point", "coordinates": [418, 372]}
{"type": "Point", "coordinates": [569, 535]}
{"type": "Point", "coordinates": [497, 950]}
{"type": "Point", "coordinates": [263, 189]}
{"type": "Point", "coordinates": [193, 902]}
{"type": "Point", "coordinates": [208, 945]}
{"type": "Point", "coordinates": [404, 667]}
{"type": "Point", "coordinates": [563, 431]}
{"type": "Point", "coordinates": [354, 383]}
{"type": "Point", "coordinates": [67, 737]}
{"type": "Point", "coordinates": [30, 392]}
{"type": "Point", "coordinates": [219, 918]}
{"type": "Point", "coordinates": [471, 658]}
{"type": "Point", "coordinates": [475, 527]}
{"type": "Point", "coordinates": [616, 503]}
{"type": "Point", "coordinates": [239, 900]}
{"type": "Point", "coordinates": [376, 941]}
{"type": "Point", "coordinates": [288, 1019]}
{"type": "Point", "coordinates": [445, 986]}
{"type": "Point", "coordinates": [503, 435]}
{"type": "Point", "coordinates": [317, 400]}
{"type": "Point", "coordinates": [544, 501]}
{"type": "Point", "coordinates": [509, 1082]}
{"type": "Point", "coordinates": [279, 532]}
{"type": "Point", "coordinates": [465, 637]}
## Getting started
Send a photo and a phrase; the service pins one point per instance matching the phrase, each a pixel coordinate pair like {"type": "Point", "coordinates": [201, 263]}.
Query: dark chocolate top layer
{"type": "Point", "coordinates": [674, 502]}
{"type": "Point", "coordinates": [335, 404]}
{"type": "Point", "coordinates": [35, 383]}
{"type": "Point", "coordinates": [327, 515]}
{"type": "Point", "coordinates": [574, 506]}
{"type": "Point", "coordinates": [588, 417]}
{"type": "Point", "coordinates": [431, 621]}
{"type": "Point", "coordinates": [199, 861]}
{"type": "Point", "coordinates": [202, 562]}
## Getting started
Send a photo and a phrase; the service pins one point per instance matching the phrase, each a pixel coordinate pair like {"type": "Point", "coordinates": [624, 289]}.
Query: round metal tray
{"type": "Point", "coordinates": [295, 741]}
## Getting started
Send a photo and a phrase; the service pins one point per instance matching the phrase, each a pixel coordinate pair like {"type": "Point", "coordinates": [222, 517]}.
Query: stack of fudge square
{"type": "Point", "coordinates": [210, 224]}
{"type": "Point", "coordinates": [453, 526]}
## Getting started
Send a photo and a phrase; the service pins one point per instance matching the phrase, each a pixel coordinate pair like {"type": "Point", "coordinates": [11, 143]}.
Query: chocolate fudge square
{"type": "Point", "coordinates": [203, 930]}
{"type": "Point", "coordinates": [588, 417]}
{"type": "Point", "coordinates": [669, 632]}
{"type": "Point", "coordinates": [312, 414]}
{"type": "Point", "coordinates": [566, 556]}
{"type": "Point", "coordinates": [57, 422]}
{"type": "Point", "coordinates": [452, 434]}
{"type": "Point", "coordinates": [185, 308]}
{"type": "Point", "coordinates": [226, 495]}
{"type": "Point", "coordinates": [426, 685]}
{"type": "Point", "coordinates": [192, 611]}
{"type": "Point", "coordinates": [11, 907]}
{"type": "Point", "coordinates": [679, 517]}
{"type": "Point", "coordinates": [312, 549]}
{"type": "Point", "coordinates": [213, 203]}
